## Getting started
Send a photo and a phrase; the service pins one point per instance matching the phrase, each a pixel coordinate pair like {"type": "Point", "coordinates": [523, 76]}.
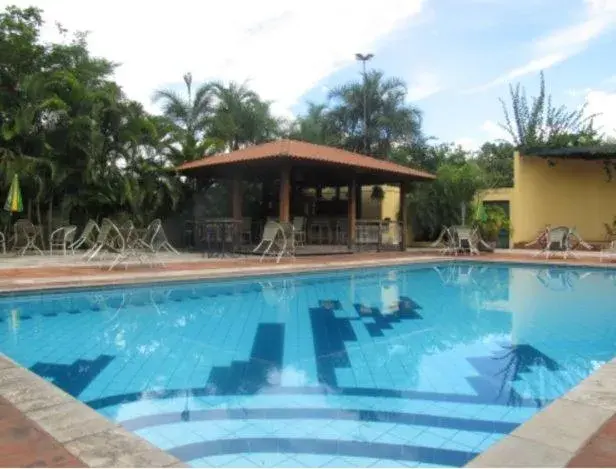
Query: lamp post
{"type": "Point", "coordinates": [365, 58]}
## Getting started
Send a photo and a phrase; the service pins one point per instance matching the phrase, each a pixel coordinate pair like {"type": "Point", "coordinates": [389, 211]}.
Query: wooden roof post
{"type": "Point", "coordinates": [236, 191]}
{"type": "Point", "coordinates": [352, 198]}
{"type": "Point", "coordinates": [403, 216]}
{"type": "Point", "coordinates": [285, 194]}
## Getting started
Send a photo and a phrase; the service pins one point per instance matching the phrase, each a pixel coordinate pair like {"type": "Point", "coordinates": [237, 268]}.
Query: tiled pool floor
{"type": "Point", "coordinates": [596, 448]}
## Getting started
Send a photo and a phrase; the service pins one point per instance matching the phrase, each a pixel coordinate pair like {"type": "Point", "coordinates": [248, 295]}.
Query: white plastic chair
{"type": "Point", "coordinates": [24, 237]}
{"type": "Point", "coordinates": [271, 232]}
{"type": "Point", "coordinates": [299, 230]}
{"type": "Point", "coordinates": [62, 238]}
{"type": "Point", "coordinates": [103, 239]}
{"type": "Point", "coordinates": [87, 237]}
{"type": "Point", "coordinates": [463, 238]}
{"type": "Point", "coordinates": [557, 240]}
{"type": "Point", "coordinates": [155, 238]}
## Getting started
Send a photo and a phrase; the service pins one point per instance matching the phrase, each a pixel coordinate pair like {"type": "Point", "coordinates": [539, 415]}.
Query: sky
{"type": "Point", "coordinates": [458, 57]}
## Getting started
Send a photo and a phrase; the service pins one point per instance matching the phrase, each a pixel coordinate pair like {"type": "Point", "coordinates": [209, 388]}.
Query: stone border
{"type": "Point", "coordinates": [213, 273]}
{"type": "Point", "coordinates": [82, 431]}
{"type": "Point", "coordinates": [555, 435]}
{"type": "Point", "coordinates": [235, 272]}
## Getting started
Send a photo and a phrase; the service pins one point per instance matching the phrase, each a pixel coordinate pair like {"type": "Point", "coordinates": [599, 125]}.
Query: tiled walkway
{"type": "Point", "coordinates": [24, 444]}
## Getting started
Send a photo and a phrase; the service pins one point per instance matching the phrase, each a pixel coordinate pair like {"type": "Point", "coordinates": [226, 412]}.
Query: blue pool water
{"type": "Point", "coordinates": [401, 366]}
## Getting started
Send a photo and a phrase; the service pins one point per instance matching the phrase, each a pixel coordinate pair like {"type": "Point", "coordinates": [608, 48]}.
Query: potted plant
{"type": "Point", "coordinates": [491, 220]}
{"type": "Point", "coordinates": [377, 193]}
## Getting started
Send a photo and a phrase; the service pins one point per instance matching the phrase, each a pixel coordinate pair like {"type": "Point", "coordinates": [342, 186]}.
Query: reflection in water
{"type": "Point", "coordinates": [519, 359]}
{"type": "Point", "coordinates": [560, 279]}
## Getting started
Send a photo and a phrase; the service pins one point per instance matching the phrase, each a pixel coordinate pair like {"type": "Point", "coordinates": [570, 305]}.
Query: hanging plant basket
{"type": "Point", "coordinates": [377, 193]}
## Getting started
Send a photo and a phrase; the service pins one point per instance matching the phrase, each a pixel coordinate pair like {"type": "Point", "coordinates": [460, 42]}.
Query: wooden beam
{"type": "Point", "coordinates": [285, 194]}
{"type": "Point", "coordinates": [352, 204]}
{"type": "Point", "coordinates": [403, 216]}
{"type": "Point", "coordinates": [236, 194]}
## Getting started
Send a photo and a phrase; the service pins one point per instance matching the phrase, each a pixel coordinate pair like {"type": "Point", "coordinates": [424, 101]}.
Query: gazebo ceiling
{"type": "Point", "coordinates": [310, 163]}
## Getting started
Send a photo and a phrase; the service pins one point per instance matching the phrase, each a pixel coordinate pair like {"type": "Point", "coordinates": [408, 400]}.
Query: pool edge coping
{"type": "Point", "coordinates": [244, 272]}
{"type": "Point", "coordinates": [556, 434]}
{"type": "Point", "coordinates": [86, 434]}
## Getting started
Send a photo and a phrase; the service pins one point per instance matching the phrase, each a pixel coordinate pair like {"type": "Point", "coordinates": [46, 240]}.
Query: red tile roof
{"type": "Point", "coordinates": [298, 150]}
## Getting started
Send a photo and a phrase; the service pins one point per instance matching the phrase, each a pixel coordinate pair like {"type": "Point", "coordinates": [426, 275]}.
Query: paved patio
{"type": "Point", "coordinates": [42, 426]}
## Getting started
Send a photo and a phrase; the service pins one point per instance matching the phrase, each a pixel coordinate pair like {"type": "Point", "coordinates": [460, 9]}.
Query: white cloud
{"type": "Point", "coordinates": [467, 143]}
{"type": "Point", "coordinates": [563, 43]}
{"type": "Point", "coordinates": [423, 85]}
{"type": "Point", "coordinates": [493, 131]}
{"type": "Point", "coordinates": [603, 104]}
{"type": "Point", "coordinates": [489, 131]}
{"type": "Point", "coordinates": [282, 48]}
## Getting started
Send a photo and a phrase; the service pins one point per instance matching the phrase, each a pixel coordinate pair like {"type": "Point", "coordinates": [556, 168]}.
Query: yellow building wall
{"type": "Point", "coordinates": [388, 207]}
{"type": "Point", "coordinates": [374, 209]}
{"type": "Point", "coordinates": [574, 193]}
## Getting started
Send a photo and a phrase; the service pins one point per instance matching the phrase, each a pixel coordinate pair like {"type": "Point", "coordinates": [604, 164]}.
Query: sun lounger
{"type": "Point", "coordinates": [557, 240]}
{"type": "Point", "coordinates": [609, 252]}
{"type": "Point", "coordinates": [272, 237]}
{"type": "Point", "coordinates": [88, 236]}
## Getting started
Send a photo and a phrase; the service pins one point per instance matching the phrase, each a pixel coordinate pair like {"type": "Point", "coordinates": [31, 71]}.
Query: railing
{"type": "Point", "coordinates": [378, 234]}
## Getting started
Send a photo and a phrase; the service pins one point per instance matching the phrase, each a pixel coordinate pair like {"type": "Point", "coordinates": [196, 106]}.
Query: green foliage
{"type": "Point", "coordinates": [433, 205]}
{"type": "Point", "coordinates": [391, 122]}
{"type": "Point", "coordinates": [494, 220]}
{"type": "Point", "coordinates": [496, 159]}
{"type": "Point", "coordinates": [538, 123]}
{"type": "Point", "coordinates": [79, 146]}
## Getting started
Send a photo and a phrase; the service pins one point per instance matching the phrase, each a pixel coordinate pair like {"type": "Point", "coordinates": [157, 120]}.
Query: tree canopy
{"type": "Point", "coordinates": [83, 149]}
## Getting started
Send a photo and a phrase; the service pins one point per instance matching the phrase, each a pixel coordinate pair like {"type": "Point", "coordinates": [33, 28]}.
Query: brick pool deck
{"type": "Point", "coordinates": [41, 426]}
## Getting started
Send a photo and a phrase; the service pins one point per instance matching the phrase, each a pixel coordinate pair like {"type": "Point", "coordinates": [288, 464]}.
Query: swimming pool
{"type": "Point", "coordinates": [397, 366]}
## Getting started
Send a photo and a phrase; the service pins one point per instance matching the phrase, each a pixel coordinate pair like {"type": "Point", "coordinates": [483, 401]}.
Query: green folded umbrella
{"type": "Point", "coordinates": [14, 201]}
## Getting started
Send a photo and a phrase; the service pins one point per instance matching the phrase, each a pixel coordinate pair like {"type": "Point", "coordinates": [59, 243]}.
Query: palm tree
{"type": "Point", "coordinates": [188, 118]}
{"type": "Point", "coordinates": [313, 126]}
{"type": "Point", "coordinates": [241, 117]}
{"type": "Point", "coordinates": [390, 120]}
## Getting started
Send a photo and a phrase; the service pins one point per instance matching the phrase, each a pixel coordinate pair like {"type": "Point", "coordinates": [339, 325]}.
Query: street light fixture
{"type": "Point", "coordinates": [363, 58]}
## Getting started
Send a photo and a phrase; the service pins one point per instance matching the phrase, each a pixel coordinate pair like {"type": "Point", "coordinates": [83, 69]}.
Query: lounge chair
{"type": "Point", "coordinates": [441, 241]}
{"type": "Point", "coordinates": [24, 237]}
{"type": "Point", "coordinates": [464, 239]}
{"type": "Point", "coordinates": [609, 252]}
{"type": "Point", "coordinates": [557, 240]}
{"type": "Point", "coordinates": [580, 242]}
{"type": "Point", "coordinates": [124, 248]}
{"type": "Point", "coordinates": [246, 230]}
{"type": "Point", "coordinates": [299, 230]}
{"type": "Point", "coordinates": [288, 242]}
{"type": "Point", "coordinates": [272, 234]}
{"type": "Point", "coordinates": [446, 242]}
{"type": "Point", "coordinates": [155, 239]}
{"type": "Point", "coordinates": [62, 238]}
{"type": "Point", "coordinates": [88, 236]}
{"type": "Point", "coordinates": [103, 239]}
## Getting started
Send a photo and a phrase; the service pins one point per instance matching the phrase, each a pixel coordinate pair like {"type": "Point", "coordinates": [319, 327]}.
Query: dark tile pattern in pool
{"type": "Point", "coordinates": [73, 378]}
{"type": "Point", "coordinates": [359, 415]}
{"type": "Point", "coordinates": [249, 377]}
{"type": "Point", "coordinates": [331, 335]}
{"type": "Point", "coordinates": [384, 451]}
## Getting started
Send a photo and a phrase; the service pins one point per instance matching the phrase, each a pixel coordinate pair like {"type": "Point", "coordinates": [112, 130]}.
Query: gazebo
{"type": "Point", "coordinates": [296, 166]}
